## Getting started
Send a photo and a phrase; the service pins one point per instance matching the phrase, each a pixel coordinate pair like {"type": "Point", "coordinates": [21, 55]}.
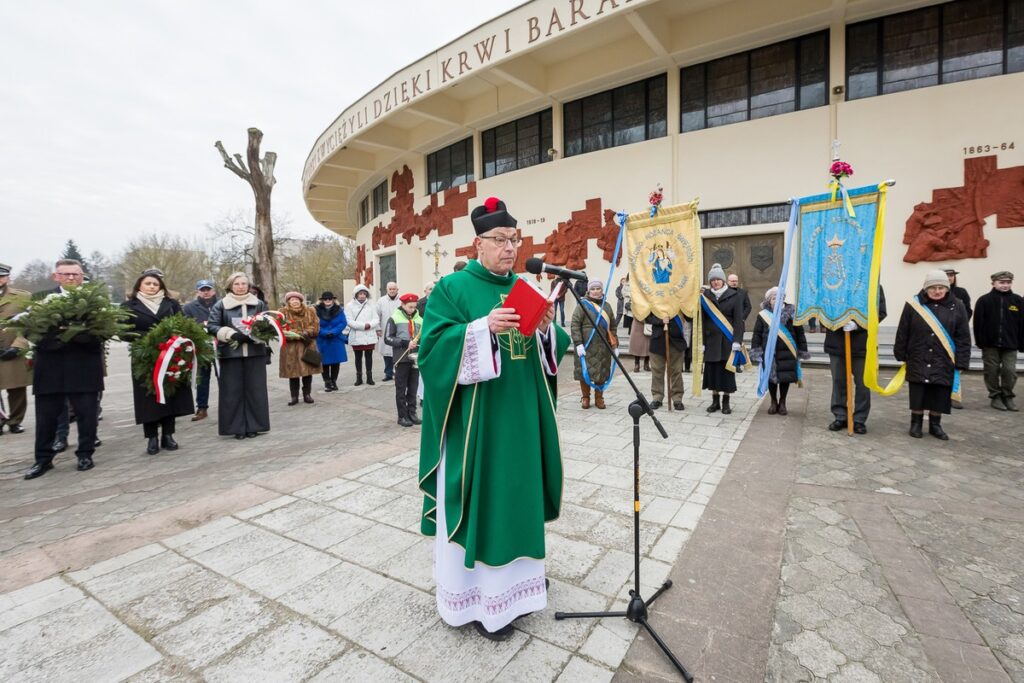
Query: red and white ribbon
{"type": "Point", "coordinates": [274, 319]}
{"type": "Point", "coordinates": [163, 368]}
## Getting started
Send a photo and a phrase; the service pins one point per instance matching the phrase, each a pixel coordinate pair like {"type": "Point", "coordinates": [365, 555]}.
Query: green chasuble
{"type": "Point", "coordinates": [503, 463]}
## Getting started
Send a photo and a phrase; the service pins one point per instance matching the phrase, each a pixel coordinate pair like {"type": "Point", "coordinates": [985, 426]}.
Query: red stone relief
{"type": "Point", "coordinates": [405, 222]}
{"type": "Point", "coordinates": [951, 226]}
{"type": "Point", "coordinates": [364, 271]}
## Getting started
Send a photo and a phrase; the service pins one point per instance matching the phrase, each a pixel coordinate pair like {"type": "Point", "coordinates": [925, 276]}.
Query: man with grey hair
{"type": "Point", "coordinates": [386, 306]}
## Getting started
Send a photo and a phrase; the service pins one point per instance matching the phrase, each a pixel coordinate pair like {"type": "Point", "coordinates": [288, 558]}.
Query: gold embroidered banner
{"type": "Point", "coordinates": [664, 255]}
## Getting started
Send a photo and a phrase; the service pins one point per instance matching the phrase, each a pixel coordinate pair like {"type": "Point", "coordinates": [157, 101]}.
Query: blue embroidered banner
{"type": "Point", "coordinates": [836, 252]}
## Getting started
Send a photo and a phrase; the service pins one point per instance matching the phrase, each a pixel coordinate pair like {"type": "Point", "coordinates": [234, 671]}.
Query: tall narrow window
{"type": "Point", "coordinates": [450, 167]}
{"type": "Point", "coordinates": [517, 144]}
{"type": "Point", "coordinates": [627, 114]}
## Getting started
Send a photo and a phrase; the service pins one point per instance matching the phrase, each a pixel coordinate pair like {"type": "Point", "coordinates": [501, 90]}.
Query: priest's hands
{"type": "Point", "coordinates": [503, 319]}
{"type": "Point", "coordinates": [545, 322]}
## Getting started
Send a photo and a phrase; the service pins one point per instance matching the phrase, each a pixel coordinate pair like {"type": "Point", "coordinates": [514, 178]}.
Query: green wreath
{"type": "Point", "coordinates": [83, 310]}
{"type": "Point", "coordinates": [145, 352]}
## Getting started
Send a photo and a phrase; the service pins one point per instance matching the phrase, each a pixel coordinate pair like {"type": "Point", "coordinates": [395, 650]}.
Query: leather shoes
{"type": "Point", "coordinates": [16, 429]}
{"type": "Point", "coordinates": [152, 446]}
{"type": "Point", "coordinates": [239, 436]}
{"type": "Point", "coordinates": [678, 405]}
{"type": "Point", "coordinates": [84, 464]}
{"type": "Point", "coordinates": [860, 428]}
{"type": "Point", "coordinates": [38, 470]}
{"type": "Point", "coordinates": [60, 445]}
{"type": "Point", "coordinates": [201, 414]}
{"type": "Point", "coordinates": [404, 422]}
{"type": "Point", "coordinates": [251, 435]}
{"type": "Point", "coordinates": [504, 633]}
{"type": "Point", "coordinates": [837, 425]}
{"type": "Point", "coordinates": [169, 443]}
{"type": "Point", "coordinates": [97, 443]}
{"type": "Point", "coordinates": [414, 418]}
{"type": "Point", "coordinates": [655, 405]}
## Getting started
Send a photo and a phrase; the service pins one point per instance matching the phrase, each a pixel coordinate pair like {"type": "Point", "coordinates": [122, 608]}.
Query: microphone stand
{"type": "Point", "coordinates": [636, 610]}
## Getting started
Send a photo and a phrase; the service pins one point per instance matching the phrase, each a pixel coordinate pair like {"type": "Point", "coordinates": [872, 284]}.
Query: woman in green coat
{"type": "Point", "coordinates": [596, 356]}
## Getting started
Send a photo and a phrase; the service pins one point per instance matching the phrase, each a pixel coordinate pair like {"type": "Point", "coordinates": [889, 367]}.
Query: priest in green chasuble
{"type": "Point", "coordinates": [490, 463]}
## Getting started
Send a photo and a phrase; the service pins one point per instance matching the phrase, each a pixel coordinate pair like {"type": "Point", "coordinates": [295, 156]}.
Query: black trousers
{"type": "Point", "coordinates": [861, 394]}
{"type": "Point", "coordinates": [330, 372]}
{"type": "Point", "coordinates": [48, 410]}
{"type": "Point", "coordinates": [151, 430]}
{"type": "Point", "coordinates": [407, 381]}
{"type": "Point", "coordinates": [368, 354]}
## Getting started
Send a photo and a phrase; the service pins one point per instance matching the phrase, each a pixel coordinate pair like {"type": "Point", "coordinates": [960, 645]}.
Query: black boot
{"type": "Point", "coordinates": [726, 410]}
{"type": "Point", "coordinates": [152, 446]}
{"type": "Point", "coordinates": [916, 422]}
{"type": "Point", "coordinates": [774, 407]}
{"type": "Point", "coordinates": [715, 405]}
{"type": "Point", "coordinates": [168, 443]}
{"type": "Point", "coordinates": [647, 363]}
{"type": "Point", "coordinates": [414, 418]}
{"type": "Point", "coordinates": [935, 427]}
{"type": "Point", "coordinates": [359, 379]}
{"type": "Point", "coordinates": [295, 398]}
{"type": "Point", "coordinates": [636, 365]}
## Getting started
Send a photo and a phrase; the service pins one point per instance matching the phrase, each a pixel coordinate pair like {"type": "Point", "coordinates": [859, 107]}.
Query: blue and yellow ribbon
{"type": "Point", "coordinates": [737, 359]}
{"type": "Point", "coordinates": [787, 338]}
{"type": "Point", "coordinates": [871, 360]}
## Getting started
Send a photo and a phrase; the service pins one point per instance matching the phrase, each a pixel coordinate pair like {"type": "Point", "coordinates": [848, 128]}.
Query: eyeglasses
{"type": "Point", "coordinates": [70, 275]}
{"type": "Point", "coordinates": [501, 241]}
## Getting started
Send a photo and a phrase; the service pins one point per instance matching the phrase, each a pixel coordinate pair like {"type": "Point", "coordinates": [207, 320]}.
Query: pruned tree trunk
{"type": "Point", "coordinates": [259, 173]}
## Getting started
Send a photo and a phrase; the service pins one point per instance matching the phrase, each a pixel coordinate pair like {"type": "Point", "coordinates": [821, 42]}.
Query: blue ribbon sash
{"type": "Point", "coordinates": [944, 338]}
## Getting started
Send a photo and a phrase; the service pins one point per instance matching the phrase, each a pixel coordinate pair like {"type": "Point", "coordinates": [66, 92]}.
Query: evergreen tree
{"type": "Point", "coordinates": [71, 251]}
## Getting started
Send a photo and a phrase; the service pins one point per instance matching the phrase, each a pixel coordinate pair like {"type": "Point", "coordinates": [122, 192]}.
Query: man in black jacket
{"type": "Point", "coordinates": [676, 356]}
{"type": "Point", "coordinates": [957, 291]}
{"type": "Point", "coordinates": [69, 372]}
{"type": "Point", "coordinates": [199, 310]}
{"type": "Point", "coordinates": [999, 333]}
{"type": "Point", "coordinates": [835, 347]}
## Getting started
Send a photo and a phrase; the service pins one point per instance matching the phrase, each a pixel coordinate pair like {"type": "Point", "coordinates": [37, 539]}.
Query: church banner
{"type": "Point", "coordinates": [836, 254]}
{"type": "Point", "coordinates": [664, 256]}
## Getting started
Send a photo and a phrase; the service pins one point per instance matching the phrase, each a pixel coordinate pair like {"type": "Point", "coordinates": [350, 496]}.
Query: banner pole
{"type": "Point", "coordinates": [667, 375]}
{"type": "Point", "coordinates": [849, 385]}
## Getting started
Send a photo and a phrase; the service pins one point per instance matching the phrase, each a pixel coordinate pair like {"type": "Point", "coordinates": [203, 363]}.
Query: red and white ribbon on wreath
{"type": "Point", "coordinates": [164, 369]}
{"type": "Point", "coordinates": [273, 318]}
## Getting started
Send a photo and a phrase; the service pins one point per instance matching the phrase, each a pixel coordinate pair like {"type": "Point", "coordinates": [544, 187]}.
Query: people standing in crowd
{"type": "Point", "coordinates": [958, 291]}
{"type": "Point", "coordinates": [386, 305]}
{"type": "Point", "coordinates": [199, 310]}
{"type": "Point", "coordinates": [835, 347]}
{"type": "Point", "coordinates": [298, 355]}
{"type": "Point", "coordinates": [402, 333]}
{"type": "Point", "coordinates": [734, 283]}
{"type": "Point", "coordinates": [559, 301]}
{"type": "Point", "coordinates": [639, 335]}
{"type": "Point", "coordinates": [673, 366]}
{"type": "Point", "coordinates": [257, 292]}
{"type": "Point", "coordinates": [999, 333]}
{"type": "Point", "coordinates": [421, 305]}
{"type": "Point", "coordinates": [66, 373]}
{"type": "Point", "coordinates": [726, 305]}
{"type": "Point", "coordinates": [591, 353]}
{"type": "Point", "coordinates": [15, 371]}
{"type": "Point", "coordinates": [790, 349]}
{"type": "Point", "coordinates": [688, 335]}
{"type": "Point", "coordinates": [362, 331]}
{"type": "Point", "coordinates": [627, 304]}
{"type": "Point", "coordinates": [149, 303]}
{"type": "Point", "coordinates": [332, 340]}
{"type": "Point", "coordinates": [243, 409]}
{"type": "Point", "coordinates": [934, 340]}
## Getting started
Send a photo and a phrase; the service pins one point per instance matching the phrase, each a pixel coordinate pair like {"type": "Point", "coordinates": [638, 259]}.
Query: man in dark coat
{"type": "Point", "coordinates": [69, 372]}
{"type": "Point", "coordinates": [199, 310]}
{"type": "Point", "coordinates": [734, 284]}
{"type": "Point", "coordinates": [999, 333]}
{"type": "Point", "coordinates": [15, 371]}
{"type": "Point", "coordinates": [835, 347]}
{"type": "Point", "coordinates": [959, 292]}
{"type": "Point", "coordinates": [676, 356]}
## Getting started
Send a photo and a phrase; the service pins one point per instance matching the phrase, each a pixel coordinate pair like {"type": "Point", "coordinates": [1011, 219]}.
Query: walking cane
{"type": "Point", "coordinates": [667, 377]}
{"type": "Point", "coordinates": [849, 386]}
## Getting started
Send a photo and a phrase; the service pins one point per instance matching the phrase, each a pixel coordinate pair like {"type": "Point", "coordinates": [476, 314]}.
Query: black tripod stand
{"type": "Point", "coordinates": [636, 610]}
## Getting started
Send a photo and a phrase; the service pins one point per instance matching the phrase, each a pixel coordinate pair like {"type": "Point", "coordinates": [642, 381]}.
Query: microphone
{"type": "Point", "coordinates": [536, 266]}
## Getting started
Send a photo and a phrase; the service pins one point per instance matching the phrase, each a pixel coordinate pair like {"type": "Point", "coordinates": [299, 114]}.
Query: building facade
{"type": "Point", "coordinates": [572, 110]}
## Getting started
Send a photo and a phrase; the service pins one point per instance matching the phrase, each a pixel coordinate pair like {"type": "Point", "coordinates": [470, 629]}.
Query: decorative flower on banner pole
{"type": "Point", "coordinates": [840, 170]}
{"type": "Point", "coordinates": [655, 199]}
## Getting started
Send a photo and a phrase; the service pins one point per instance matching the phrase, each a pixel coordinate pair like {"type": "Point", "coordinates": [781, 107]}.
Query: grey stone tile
{"type": "Point", "coordinates": [414, 565]}
{"type": "Point", "coordinates": [194, 541]}
{"type": "Point", "coordinates": [264, 508]}
{"type": "Point", "coordinates": [124, 585]}
{"type": "Point", "coordinates": [334, 593]}
{"type": "Point", "coordinates": [174, 602]}
{"type": "Point", "coordinates": [243, 552]}
{"type": "Point", "coordinates": [580, 670]}
{"type": "Point", "coordinates": [536, 662]}
{"type": "Point", "coordinates": [375, 546]}
{"type": "Point", "coordinates": [216, 630]}
{"type": "Point", "coordinates": [570, 559]}
{"type": "Point", "coordinates": [113, 654]}
{"type": "Point", "coordinates": [39, 603]}
{"type": "Point", "coordinates": [286, 570]}
{"type": "Point", "coordinates": [402, 512]}
{"type": "Point", "coordinates": [329, 490]}
{"type": "Point", "coordinates": [291, 516]}
{"type": "Point", "coordinates": [329, 530]}
{"type": "Point", "coordinates": [569, 634]}
{"type": "Point", "coordinates": [443, 653]}
{"type": "Point", "coordinates": [409, 614]}
{"type": "Point", "coordinates": [359, 666]}
{"type": "Point", "coordinates": [292, 651]}
{"type": "Point", "coordinates": [364, 499]}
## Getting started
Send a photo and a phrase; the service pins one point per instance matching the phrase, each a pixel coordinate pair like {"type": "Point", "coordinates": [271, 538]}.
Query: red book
{"type": "Point", "coordinates": [530, 303]}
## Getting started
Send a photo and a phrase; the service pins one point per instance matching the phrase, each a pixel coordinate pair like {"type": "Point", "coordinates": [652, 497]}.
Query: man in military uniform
{"type": "Point", "coordinates": [15, 372]}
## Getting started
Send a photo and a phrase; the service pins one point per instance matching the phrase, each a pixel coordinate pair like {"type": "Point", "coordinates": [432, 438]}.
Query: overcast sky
{"type": "Point", "coordinates": [109, 109]}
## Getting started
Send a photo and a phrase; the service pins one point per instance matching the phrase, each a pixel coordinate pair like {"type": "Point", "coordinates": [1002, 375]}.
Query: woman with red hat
{"type": "Point", "coordinates": [402, 333]}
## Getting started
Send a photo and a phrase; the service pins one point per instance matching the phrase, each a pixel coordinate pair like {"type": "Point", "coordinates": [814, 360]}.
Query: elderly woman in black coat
{"type": "Point", "coordinates": [786, 365]}
{"type": "Point", "coordinates": [934, 340]}
{"type": "Point", "coordinates": [149, 303]}
{"type": "Point", "coordinates": [717, 346]}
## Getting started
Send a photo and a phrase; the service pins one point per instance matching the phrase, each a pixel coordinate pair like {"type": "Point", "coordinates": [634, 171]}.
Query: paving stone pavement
{"type": "Point", "coordinates": [296, 556]}
{"type": "Point", "coordinates": [902, 557]}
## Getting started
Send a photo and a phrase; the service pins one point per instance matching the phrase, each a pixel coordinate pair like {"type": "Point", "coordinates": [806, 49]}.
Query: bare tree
{"type": "Point", "coordinates": [182, 262]}
{"type": "Point", "coordinates": [35, 276]}
{"type": "Point", "coordinates": [259, 173]}
{"type": "Point", "coordinates": [313, 265]}
{"type": "Point", "coordinates": [231, 240]}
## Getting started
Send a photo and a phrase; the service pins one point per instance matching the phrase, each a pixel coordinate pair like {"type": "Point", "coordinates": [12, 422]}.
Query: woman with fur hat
{"type": "Point", "coordinates": [790, 349]}
{"type": "Point", "coordinates": [934, 340]}
{"type": "Point", "coordinates": [243, 409]}
{"type": "Point", "coordinates": [362, 331]}
{"type": "Point", "coordinates": [302, 320]}
{"type": "Point", "coordinates": [331, 340]}
{"type": "Point", "coordinates": [722, 308]}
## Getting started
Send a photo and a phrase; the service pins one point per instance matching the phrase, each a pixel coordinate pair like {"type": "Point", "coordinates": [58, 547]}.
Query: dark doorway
{"type": "Point", "coordinates": [756, 259]}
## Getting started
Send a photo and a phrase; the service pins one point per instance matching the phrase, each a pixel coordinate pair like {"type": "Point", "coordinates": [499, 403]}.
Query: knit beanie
{"type": "Point", "coordinates": [716, 272]}
{"type": "Point", "coordinates": [296, 295]}
{"type": "Point", "coordinates": [936, 278]}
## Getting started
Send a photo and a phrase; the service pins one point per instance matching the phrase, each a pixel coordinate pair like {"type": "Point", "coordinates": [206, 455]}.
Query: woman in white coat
{"type": "Point", "coordinates": [362, 331]}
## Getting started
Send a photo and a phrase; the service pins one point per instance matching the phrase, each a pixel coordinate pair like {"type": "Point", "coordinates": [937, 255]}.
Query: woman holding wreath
{"type": "Point", "coordinates": [298, 354]}
{"type": "Point", "coordinates": [149, 304]}
{"type": "Point", "coordinates": [243, 408]}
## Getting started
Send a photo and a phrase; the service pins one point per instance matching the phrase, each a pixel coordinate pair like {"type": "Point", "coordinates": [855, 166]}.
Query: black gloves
{"type": "Point", "coordinates": [10, 353]}
{"type": "Point", "coordinates": [239, 337]}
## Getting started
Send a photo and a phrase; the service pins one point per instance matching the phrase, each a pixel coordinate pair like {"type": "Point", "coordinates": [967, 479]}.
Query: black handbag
{"type": "Point", "coordinates": [311, 356]}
